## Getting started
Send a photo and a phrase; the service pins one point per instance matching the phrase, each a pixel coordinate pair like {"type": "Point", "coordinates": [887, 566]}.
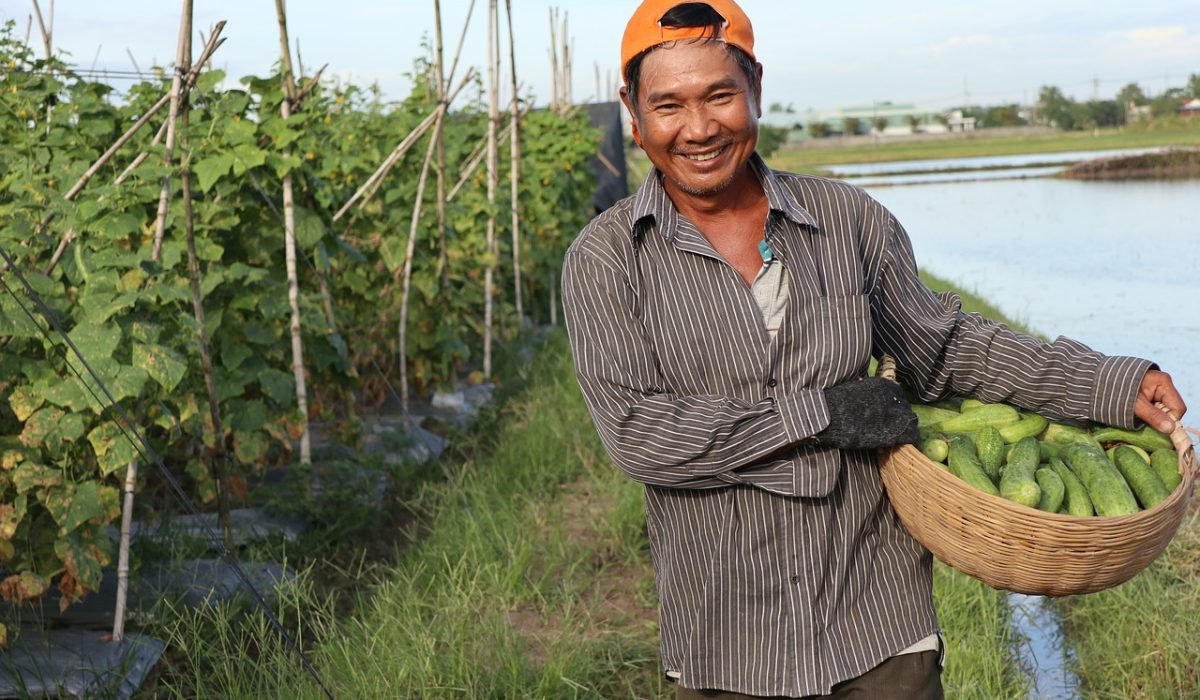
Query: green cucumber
{"type": "Point", "coordinates": [935, 448]}
{"type": "Point", "coordinates": [989, 447]}
{"type": "Point", "coordinates": [964, 464]}
{"type": "Point", "coordinates": [1143, 480]}
{"type": "Point", "coordinates": [993, 415]}
{"type": "Point", "coordinates": [970, 404]}
{"type": "Point", "coordinates": [928, 416]}
{"type": "Point", "coordinates": [1075, 500]}
{"type": "Point", "coordinates": [1048, 451]}
{"type": "Point", "coordinates": [1147, 438]}
{"type": "Point", "coordinates": [1106, 487]}
{"type": "Point", "coordinates": [1030, 425]}
{"type": "Point", "coordinates": [1018, 483]}
{"type": "Point", "coordinates": [1053, 490]}
{"type": "Point", "coordinates": [1166, 464]}
{"type": "Point", "coordinates": [1062, 434]}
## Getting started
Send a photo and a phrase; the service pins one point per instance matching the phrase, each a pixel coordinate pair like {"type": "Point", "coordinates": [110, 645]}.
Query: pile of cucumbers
{"type": "Point", "coordinates": [1052, 466]}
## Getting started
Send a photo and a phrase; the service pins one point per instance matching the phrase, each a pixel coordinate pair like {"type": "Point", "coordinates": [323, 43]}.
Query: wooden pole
{"type": "Point", "coordinates": [439, 133]}
{"type": "Point", "coordinates": [118, 633]}
{"type": "Point", "coordinates": [554, 59]}
{"type": "Point", "coordinates": [164, 193]}
{"type": "Point", "coordinates": [410, 252]}
{"type": "Point", "coordinates": [47, 42]}
{"type": "Point", "coordinates": [289, 229]}
{"type": "Point", "coordinates": [493, 177]}
{"type": "Point", "coordinates": [515, 171]}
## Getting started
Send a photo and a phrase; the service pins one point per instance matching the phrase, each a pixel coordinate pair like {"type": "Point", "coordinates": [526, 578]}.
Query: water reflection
{"type": "Point", "coordinates": [1112, 264]}
{"type": "Point", "coordinates": [980, 163]}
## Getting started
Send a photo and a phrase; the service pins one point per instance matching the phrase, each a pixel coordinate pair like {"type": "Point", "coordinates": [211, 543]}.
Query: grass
{"type": "Point", "coordinates": [978, 144]}
{"type": "Point", "coordinates": [530, 578]}
{"type": "Point", "coordinates": [1138, 641]}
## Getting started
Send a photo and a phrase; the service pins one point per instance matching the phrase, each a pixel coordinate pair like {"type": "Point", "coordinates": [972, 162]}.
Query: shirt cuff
{"type": "Point", "coordinates": [804, 414]}
{"type": "Point", "coordinates": [1117, 382]}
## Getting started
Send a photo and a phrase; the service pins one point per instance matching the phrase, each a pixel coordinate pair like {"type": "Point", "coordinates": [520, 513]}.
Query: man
{"type": "Point", "coordinates": [722, 320]}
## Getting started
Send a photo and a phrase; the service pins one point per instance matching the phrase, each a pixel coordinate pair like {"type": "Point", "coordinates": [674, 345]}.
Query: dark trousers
{"type": "Point", "coordinates": [904, 677]}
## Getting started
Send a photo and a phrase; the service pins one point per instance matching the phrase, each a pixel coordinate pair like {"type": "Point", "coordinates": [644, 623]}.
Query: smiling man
{"type": "Point", "coordinates": [722, 320]}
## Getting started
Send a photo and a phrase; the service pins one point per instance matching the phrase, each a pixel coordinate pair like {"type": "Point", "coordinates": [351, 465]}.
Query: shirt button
{"type": "Point", "coordinates": [772, 382]}
{"type": "Point", "coordinates": [795, 579]}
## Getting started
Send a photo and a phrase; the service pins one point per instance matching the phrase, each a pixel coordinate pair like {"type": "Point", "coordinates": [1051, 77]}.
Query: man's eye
{"type": "Point", "coordinates": [721, 97]}
{"type": "Point", "coordinates": [666, 108]}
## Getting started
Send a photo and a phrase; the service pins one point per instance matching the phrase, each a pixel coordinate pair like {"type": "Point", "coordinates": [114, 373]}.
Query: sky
{"type": "Point", "coordinates": [816, 55]}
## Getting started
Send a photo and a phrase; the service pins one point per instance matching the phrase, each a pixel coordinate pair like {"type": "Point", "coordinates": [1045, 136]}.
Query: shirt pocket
{"type": "Point", "coordinates": [835, 337]}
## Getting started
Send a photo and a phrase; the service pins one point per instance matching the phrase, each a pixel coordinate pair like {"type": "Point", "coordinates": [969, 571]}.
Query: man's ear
{"type": "Point", "coordinates": [633, 118]}
{"type": "Point", "coordinates": [758, 74]}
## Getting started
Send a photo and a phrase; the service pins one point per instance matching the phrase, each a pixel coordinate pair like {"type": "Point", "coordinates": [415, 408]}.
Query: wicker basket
{"type": "Point", "coordinates": [1015, 548]}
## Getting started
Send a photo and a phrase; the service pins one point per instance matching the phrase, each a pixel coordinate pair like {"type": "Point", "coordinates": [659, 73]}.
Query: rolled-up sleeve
{"type": "Point", "coordinates": [657, 438]}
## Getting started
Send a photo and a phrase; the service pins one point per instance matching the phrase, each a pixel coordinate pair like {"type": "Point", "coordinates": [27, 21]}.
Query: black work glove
{"type": "Point", "coordinates": [867, 414]}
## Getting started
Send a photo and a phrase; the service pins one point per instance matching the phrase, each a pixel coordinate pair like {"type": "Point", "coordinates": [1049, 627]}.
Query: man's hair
{"type": "Point", "coordinates": [690, 14]}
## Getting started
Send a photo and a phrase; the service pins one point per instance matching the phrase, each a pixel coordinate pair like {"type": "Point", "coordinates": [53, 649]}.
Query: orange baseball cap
{"type": "Point", "coordinates": [644, 30]}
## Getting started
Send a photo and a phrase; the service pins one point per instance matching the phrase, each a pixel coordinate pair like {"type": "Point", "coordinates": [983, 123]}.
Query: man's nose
{"type": "Point", "coordinates": [699, 125]}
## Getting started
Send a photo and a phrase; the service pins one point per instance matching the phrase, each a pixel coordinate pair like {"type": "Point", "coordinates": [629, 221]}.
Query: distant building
{"type": "Point", "coordinates": [895, 120]}
{"type": "Point", "coordinates": [1190, 108]}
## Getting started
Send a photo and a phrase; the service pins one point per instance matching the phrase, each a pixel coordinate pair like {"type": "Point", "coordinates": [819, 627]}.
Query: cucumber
{"type": "Point", "coordinates": [989, 447]}
{"type": "Point", "coordinates": [1143, 480]}
{"type": "Point", "coordinates": [1053, 490]}
{"type": "Point", "coordinates": [964, 464]}
{"type": "Point", "coordinates": [1048, 451]}
{"type": "Point", "coordinates": [1030, 425]}
{"type": "Point", "coordinates": [1075, 500]}
{"type": "Point", "coordinates": [970, 404]}
{"type": "Point", "coordinates": [1018, 483]}
{"type": "Point", "coordinates": [928, 416]}
{"type": "Point", "coordinates": [935, 448]}
{"type": "Point", "coordinates": [1147, 438]}
{"type": "Point", "coordinates": [1141, 453]}
{"type": "Point", "coordinates": [1166, 464]}
{"type": "Point", "coordinates": [1062, 434]}
{"type": "Point", "coordinates": [993, 415]}
{"type": "Point", "coordinates": [1105, 486]}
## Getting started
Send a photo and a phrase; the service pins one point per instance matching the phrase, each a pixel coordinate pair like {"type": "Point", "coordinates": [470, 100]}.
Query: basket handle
{"type": "Point", "coordinates": [1183, 442]}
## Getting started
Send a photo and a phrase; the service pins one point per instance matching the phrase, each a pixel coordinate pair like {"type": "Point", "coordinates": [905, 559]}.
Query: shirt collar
{"type": "Point", "coordinates": [652, 206]}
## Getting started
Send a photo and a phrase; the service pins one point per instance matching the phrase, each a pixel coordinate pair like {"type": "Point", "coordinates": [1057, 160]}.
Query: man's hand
{"type": "Point", "coordinates": [1157, 388]}
{"type": "Point", "coordinates": [867, 414]}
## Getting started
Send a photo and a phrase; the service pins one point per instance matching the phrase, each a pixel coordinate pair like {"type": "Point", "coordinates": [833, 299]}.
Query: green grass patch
{"type": "Point", "coordinates": [980, 144]}
{"type": "Point", "coordinates": [1138, 641]}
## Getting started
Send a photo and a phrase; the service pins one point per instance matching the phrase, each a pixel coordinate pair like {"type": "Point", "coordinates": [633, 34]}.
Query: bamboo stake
{"type": "Point", "coordinates": [493, 177]}
{"type": "Point", "coordinates": [164, 194]}
{"type": "Point", "coordinates": [372, 183]}
{"type": "Point", "coordinates": [289, 228]}
{"type": "Point", "coordinates": [118, 633]}
{"type": "Point", "coordinates": [47, 43]}
{"type": "Point", "coordinates": [440, 136]}
{"type": "Point", "coordinates": [554, 58]}
{"type": "Point", "coordinates": [28, 30]}
{"type": "Point", "coordinates": [474, 160]}
{"type": "Point", "coordinates": [461, 40]}
{"type": "Point", "coordinates": [408, 260]}
{"type": "Point", "coordinates": [515, 171]}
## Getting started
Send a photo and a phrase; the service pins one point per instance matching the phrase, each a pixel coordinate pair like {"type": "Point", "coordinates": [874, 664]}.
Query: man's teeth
{"type": "Point", "coordinates": [701, 157]}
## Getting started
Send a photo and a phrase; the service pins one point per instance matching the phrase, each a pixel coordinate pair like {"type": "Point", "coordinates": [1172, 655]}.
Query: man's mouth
{"type": "Point", "coordinates": [706, 156]}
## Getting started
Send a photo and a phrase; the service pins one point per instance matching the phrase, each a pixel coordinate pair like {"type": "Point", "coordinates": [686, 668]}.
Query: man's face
{"type": "Point", "coordinates": [697, 116]}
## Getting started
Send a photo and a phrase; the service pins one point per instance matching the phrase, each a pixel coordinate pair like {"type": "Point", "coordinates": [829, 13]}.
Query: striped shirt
{"type": "Point", "coordinates": [780, 567]}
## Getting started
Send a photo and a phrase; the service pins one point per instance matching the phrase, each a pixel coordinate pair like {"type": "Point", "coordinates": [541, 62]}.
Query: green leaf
{"type": "Point", "coordinates": [249, 447]}
{"type": "Point", "coordinates": [11, 515]}
{"type": "Point", "coordinates": [29, 475]}
{"type": "Point", "coordinates": [211, 169]}
{"type": "Point", "coordinates": [113, 449]}
{"type": "Point", "coordinates": [118, 225]}
{"type": "Point", "coordinates": [85, 502]}
{"type": "Point", "coordinates": [279, 132]}
{"type": "Point", "coordinates": [96, 341]}
{"type": "Point", "coordinates": [309, 228]}
{"type": "Point", "coordinates": [234, 354]}
{"type": "Point", "coordinates": [163, 364]}
{"type": "Point", "coordinates": [249, 416]}
{"type": "Point", "coordinates": [42, 427]}
{"type": "Point", "coordinates": [393, 251]}
{"type": "Point", "coordinates": [24, 400]}
{"type": "Point", "coordinates": [247, 156]}
{"type": "Point", "coordinates": [279, 386]}
{"type": "Point", "coordinates": [258, 333]}
{"type": "Point", "coordinates": [87, 551]}
{"type": "Point", "coordinates": [240, 131]}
